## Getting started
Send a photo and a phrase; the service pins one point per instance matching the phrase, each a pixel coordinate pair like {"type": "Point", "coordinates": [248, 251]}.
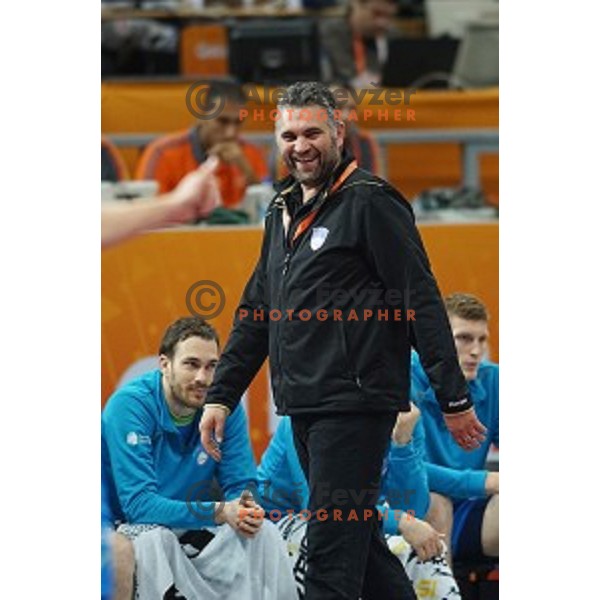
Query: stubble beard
{"type": "Point", "coordinates": [328, 162]}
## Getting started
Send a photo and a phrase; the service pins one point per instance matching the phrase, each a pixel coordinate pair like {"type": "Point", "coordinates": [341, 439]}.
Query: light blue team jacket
{"type": "Point", "coordinates": [451, 470]}
{"type": "Point", "coordinates": [283, 486]}
{"type": "Point", "coordinates": [153, 475]}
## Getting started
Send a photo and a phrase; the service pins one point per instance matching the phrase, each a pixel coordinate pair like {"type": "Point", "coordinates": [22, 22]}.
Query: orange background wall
{"type": "Point", "coordinates": [161, 107]}
{"type": "Point", "coordinates": [144, 285]}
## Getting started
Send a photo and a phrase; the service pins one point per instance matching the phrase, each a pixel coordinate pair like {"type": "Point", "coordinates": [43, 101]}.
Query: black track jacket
{"type": "Point", "coordinates": [307, 305]}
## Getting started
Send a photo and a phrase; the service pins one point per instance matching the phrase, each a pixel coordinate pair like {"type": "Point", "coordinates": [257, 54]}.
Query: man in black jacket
{"type": "Point", "coordinates": [341, 291]}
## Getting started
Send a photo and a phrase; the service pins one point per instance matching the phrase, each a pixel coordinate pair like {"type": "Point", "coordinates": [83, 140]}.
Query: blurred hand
{"type": "Point", "coordinates": [405, 424]}
{"type": "Point", "coordinates": [466, 429]}
{"type": "Point", "coordinates": [492, 483]}
{"type": "Point", "coordinates": [426, 541]}
{"type": "Point", "coordinates": [212, 426]}
{"type": "Point", "coordinates": [228, 152]}
{"type": "Point", "coordinates": [231, 152]}
{"type": "Point", "coordinates": [197, 194]}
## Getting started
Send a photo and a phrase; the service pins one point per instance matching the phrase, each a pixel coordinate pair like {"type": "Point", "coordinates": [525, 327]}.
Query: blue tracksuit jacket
{"type": "Point", "coordinates": [152, 474]}
{"type": "Point", "coordinates": [451, 470]}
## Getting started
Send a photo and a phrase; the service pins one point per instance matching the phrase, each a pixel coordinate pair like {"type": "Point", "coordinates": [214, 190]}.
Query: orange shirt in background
{"type": "Point", "coordinates": [168, 159]}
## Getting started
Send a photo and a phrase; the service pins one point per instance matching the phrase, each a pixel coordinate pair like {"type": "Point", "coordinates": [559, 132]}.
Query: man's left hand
{"type": "Point", "coordinates": [466, 429]}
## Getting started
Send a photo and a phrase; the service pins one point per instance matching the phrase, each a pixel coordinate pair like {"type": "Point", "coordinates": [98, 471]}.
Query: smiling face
{"type": "Point", "coordinates": [309, 144]}
{"type": "Point", "coordinates": [471, 339]}
{"type": "Point", "coordinates": [188, 374]}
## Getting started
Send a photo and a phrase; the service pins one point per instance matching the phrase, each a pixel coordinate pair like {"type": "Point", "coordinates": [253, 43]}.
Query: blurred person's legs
{"type": "Point", "coordinates": [342, 456]}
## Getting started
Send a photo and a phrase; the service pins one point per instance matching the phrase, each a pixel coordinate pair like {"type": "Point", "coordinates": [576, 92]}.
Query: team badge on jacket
{"type": "Point", "coordinates": [319, 235]}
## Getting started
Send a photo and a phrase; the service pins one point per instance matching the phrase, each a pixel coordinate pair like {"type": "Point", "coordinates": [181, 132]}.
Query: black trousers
{"type": "Point", "coordinates": [342, 456]}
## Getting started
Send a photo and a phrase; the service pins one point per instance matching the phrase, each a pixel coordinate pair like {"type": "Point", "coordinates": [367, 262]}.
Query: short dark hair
{"type": "Point", "coordinates": [228, 90]}
{"type": "Point", "coordinates": [310, 93]}
{"type": "Point", "coordinates": [184, 328]}
{"type": "Point", "coordinates": [466, 306]}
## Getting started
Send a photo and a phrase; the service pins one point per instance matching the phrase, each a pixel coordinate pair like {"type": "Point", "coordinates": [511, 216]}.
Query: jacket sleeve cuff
{"type": "Point", "coordinates": [217, 400]}
{"type": "Point", "coordinates": [391, 519]}
{"type": "Point", "coordinates": [476, 483]}
{"type": "Point", "coordinates": [402, 451]}
{"type": "Point", "coordinates": [455, 407]}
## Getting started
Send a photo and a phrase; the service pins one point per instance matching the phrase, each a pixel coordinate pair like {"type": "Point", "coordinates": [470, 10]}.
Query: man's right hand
{"type": "Point", "coordinates": [466, 429]}
{"type": "Point", "coordinates": [212, 427]}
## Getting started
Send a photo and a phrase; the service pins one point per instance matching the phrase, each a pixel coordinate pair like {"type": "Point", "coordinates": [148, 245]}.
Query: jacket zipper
{"type": "Point", "coordinates": [286, 268]}
{"type": "Point", "coordinates": [290, 246]}
{"type": "Point", "coordinates": [286, 262]}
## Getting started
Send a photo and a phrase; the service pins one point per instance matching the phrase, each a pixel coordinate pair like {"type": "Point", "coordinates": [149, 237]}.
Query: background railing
{"type": "Point", "coordinates": [473, 142]}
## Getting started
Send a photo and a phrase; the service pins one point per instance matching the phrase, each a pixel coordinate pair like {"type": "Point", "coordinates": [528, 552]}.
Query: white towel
{"type": "Point", "coordinates": [230, 567]}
